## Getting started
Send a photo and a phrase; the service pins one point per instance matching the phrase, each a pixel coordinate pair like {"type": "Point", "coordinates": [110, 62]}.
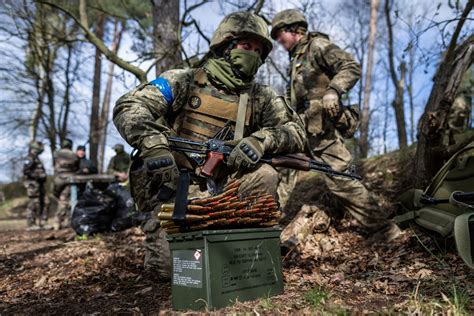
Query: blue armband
{"type": "Point", "coordinates": [165, 89]}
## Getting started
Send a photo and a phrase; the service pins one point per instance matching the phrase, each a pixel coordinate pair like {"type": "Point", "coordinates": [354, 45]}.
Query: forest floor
{"type": "Point", "coordinates": [334, 272]}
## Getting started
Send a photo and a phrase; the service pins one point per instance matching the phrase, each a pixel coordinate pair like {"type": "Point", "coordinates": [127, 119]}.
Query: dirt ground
{"type": "Point", "coordinates": [53, 273]}
{"type": "Point", "coordinates": [336, 272]}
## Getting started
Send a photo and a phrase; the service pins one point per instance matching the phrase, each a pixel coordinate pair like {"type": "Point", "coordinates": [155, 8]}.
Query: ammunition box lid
{"type": "Point", "coordinates": [226, 234]}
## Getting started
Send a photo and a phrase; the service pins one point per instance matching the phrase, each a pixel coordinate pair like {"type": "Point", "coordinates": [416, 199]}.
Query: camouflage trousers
{"type": "Point", "coordinates": [38, 202]}
{"type": "Point", "coordinates": [353, 194]}
{"type": "Point", "coordinates": [288, 179]}
{"type": "Point", "coordinates": [157, 253]}
{"type": "Point", "coordinates": [62, 191]}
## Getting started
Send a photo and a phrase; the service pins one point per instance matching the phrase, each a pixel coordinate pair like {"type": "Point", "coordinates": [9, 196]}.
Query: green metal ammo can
{"type": "Point", "coordinates": [215, 268]}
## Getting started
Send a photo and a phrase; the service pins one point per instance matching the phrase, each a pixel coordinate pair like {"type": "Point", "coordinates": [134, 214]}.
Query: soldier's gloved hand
{"type": "Point", "coordinates": [331, 103]}
{"type": "Point", "coordinates": [159, 163]}
{"type": "Point", "coordinates": [247, 153]}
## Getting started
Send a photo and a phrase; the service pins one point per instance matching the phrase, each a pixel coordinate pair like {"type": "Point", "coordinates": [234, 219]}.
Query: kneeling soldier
{"type": "Point", "coordinates": [196, 104]}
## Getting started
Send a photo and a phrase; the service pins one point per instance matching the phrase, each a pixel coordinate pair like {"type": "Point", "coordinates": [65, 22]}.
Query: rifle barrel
{"type": "Point", "coordinates": [188, 150]}
{"type": "Point", "coordinates": [333, 172]}
{"type": "Point", "coordinates": [186, 141]}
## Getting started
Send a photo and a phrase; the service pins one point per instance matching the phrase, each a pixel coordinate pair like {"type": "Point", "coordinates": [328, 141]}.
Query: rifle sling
{"type": "Point", "coordinates": [241, 115]}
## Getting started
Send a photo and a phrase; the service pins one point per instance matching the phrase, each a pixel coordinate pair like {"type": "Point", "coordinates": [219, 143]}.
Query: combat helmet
{"type": "Point", "coordinates": [238, 25]}
{"type": "Point", "coordinates": [66, 143]}
{"type": "Point", "coordinates": [286, 18]}
{"type": "Point", "coordinates": [118, 148]}
{"type": "Point", "coordinates": [36, 147]}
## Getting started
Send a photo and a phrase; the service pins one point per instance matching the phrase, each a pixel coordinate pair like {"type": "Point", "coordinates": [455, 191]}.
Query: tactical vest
{"type": "Point", "coordinates": [308, 81]}
{"type": "Point", "coordinates": [34, 169]}
{"type": "Point", "coordinates": [207, 110]}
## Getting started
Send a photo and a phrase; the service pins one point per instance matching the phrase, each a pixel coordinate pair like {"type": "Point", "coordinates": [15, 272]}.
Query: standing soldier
{"type": "Point", "coordinates": [320, 74]}
{"type": "Point", "coordinates": [196, 104]}
{"type": "Point", "coordinates": [119, 164]}
{"type": "Point", "coordinates": [85, 165]}
{"type": "Point", "coordinates": [34, 178]}
{"type": "Point", "coordinates": [66, 164]}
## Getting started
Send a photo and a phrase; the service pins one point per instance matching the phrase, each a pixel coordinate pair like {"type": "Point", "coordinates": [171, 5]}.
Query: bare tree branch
{"type": "Point", "coordinates": [139, 73]}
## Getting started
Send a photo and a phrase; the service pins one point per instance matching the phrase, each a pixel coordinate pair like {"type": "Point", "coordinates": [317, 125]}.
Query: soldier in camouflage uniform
{"type": "Point", "coordinates": [196, 104]}
{"type": "Point", "coordinates": [34, 178]}
{"type": "Point", "coordinates": [320, 74]}
{"type": "Point", "coordinates": [66, 164]}
{"type": "Point", "coordinates": [119, 164]}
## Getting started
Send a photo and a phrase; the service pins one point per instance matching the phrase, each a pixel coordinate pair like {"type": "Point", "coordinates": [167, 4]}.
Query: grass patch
{"type": "Point", "coordinates": [10, 207]}
{"type": "Point", "coordinates": [457, 300]}
{"type": "Point", "coordinates": [453, 302]}
{"type": "Point", "coordinates": [316, 297]}
{"type": "Point", "coordinates": [266, 303]}
{"type": "Point", "coordinates": [82, 237]}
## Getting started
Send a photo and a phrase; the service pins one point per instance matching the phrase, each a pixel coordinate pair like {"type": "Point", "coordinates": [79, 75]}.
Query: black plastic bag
{"type": "Point", "coordinates": [126, 216]}
{"type": "Point", "coordinates": [93, 213]}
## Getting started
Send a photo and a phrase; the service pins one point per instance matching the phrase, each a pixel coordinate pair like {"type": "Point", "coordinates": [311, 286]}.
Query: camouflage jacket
{"type": "Point", "coordinates": [119, 163]}
{"type": "Point", "coordinates": [65, 161]}
{"type": "Point", "coordinates": [316, 64]}
{"type": "Point", "coordinates": [142, 116]}
{"type": "Point", "coordinates": [33, 169]}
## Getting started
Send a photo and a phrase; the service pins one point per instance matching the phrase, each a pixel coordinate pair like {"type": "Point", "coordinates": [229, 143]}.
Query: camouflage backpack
{"type": "Point", "coordinates": [446, 206]}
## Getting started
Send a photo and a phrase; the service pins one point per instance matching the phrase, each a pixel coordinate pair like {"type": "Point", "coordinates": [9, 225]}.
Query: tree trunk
{"type": "Point", "coordinates": [399, 84]}
{"type": "Point", "coordinates": [41, 90]}
{"type": "Point", "coordinates": [410, 77]}
{"type": "Point", "coordinates": [398, 106]}
{"type": "Point", "coordinates": [64, 116]}
{"type": "Point", "coordinates": [364, 124]}
{"type": "Point", "coordinates": [430, 153]}
{"type": "Point", "coordinates": [411, 70]}
{"type": "Point", "coordinates": [51, 130]}
{"type": "Point", "coordinates": [385, 117]}
{"type": "Point", "coordinates": [165, 33]}
{"type": "Point", "coordinates": [104, 115]}
{"type": "Point", "coordinates": [95, 106]}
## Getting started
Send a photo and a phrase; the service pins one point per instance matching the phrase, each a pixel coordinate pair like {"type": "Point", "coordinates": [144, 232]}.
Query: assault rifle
{"type": "Point", "coordinates": [210, 154]}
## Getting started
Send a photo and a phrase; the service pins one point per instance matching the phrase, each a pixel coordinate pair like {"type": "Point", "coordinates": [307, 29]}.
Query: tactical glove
{"type": "Point", "coordinates": [159, 163]}
{"type": "Point", "coordinates": [331, 103]}
{"type": "Point", "coordinates": [247, 153]}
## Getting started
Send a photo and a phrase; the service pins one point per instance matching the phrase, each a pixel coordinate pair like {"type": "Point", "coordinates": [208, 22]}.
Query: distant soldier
{"type": "Point", "coordinates": [66, 164]}
{"type": "Point", "coordinates": [320, 73]}
{"type": "Point", "coordinates": [34, 178]}
{"type": "Point", "coordinates": [85, 165]}
{"type": "Point", "coordinates": [119, 164]}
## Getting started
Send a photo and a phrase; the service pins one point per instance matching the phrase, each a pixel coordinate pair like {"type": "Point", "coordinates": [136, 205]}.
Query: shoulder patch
{"type": "Point", "coordinates": [165, 89]}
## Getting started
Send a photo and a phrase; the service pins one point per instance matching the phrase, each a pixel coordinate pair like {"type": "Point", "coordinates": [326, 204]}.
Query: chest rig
{"type": "Point", "coordinates": [308, 80]}
{"type": "Point", "coordinates": [208, 111]}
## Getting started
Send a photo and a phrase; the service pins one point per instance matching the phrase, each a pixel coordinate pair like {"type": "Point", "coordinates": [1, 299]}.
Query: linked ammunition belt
{"type": "Point", "coordinates": [226, 210]}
